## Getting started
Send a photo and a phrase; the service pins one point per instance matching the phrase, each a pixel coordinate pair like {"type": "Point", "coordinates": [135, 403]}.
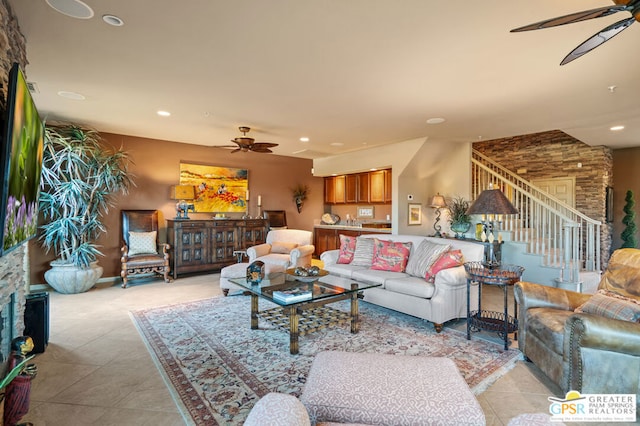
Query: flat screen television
{"type": "Point", "coordinates": [21, 163]}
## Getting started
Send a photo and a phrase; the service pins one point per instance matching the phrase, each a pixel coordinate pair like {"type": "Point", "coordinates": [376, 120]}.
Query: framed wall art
{"type": "Point", "coordinates": [218, 189]}
{"type": "Point", "coordinates": [415, 214]}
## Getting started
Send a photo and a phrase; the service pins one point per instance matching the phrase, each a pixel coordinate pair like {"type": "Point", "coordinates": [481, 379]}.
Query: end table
{"type": "Point", "coordinates": [502, 276]}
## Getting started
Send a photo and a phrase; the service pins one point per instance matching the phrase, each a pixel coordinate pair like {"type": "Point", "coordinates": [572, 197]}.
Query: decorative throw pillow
{"type": "Point", "coordinates": [424, 256]}
{"type": "Point", "coordinates": [448, 259]}
{"type": "Point", "coordinates": [363, 255]}
{"type": "Point", "coordinates": [347, 248]}
{"type": "Point", "coordinates": [142, 243]}
{"type": "Point", "coordinates": [611, 305]}
{"type": "Point", "coordinates": [282, 248]}
{"type": "Point", "coordinates": [390, 255]}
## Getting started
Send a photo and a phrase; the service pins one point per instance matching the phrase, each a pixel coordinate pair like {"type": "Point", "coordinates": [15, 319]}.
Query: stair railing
{"type": "Point", "coordinates": [563, 236]}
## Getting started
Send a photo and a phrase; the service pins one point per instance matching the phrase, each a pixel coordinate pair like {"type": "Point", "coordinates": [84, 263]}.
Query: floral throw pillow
{"type": "Point", "coordinates": [347, 248]}
{"type": "Point", "coordinates": [390, 255]}
{"type": "Point", "coordinates": [448, 259]}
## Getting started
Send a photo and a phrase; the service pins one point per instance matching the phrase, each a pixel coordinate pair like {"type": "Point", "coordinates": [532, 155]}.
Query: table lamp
{"type": "Point", "coordinates": [182, 193]}
{"type": "Point", "coordinates": [491, 203]}
{"type": "Point", "coordinates": [438, 202]}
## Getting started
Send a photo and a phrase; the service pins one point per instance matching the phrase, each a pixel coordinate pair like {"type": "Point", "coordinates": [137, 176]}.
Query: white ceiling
{"type": "Point", "coordinates": [355, 72]}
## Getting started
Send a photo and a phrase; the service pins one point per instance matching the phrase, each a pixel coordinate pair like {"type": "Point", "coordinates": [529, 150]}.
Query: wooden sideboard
{"type": "Point", "coordinates": [206, 245]}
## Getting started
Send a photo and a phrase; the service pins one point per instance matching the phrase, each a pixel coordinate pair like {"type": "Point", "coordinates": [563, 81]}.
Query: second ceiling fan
{"type": "Point", "coordinates": [246, 144]}
{"type": "Point", "coordinates": [632, 6]}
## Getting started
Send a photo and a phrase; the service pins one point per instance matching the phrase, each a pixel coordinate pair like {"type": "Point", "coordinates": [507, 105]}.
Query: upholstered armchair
{"type": "Point", "coordinates": [583, 342]}
{"type": "Point", "coordinates": [142, 254]}
{"type": "Point", "coordinates": [285, 247]}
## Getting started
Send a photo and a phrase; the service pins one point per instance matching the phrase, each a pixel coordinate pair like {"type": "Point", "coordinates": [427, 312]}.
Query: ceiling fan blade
{"type": "Point", "coordinates": [263, 150]}
{"type": "Point", "coordinates": [236, 150]}
{"type": "Point", "coordinates": [571, 18]}
{"type": "Point", "coordinates": [598, 39]}
{"type": "Point", "coordinates": [225, 146]}
{"type": "Point", "coordinates": [264, 145]}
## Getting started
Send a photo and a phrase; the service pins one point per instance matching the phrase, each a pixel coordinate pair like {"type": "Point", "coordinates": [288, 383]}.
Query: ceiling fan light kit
{"type": "Point", "coordinates": [606, 34]}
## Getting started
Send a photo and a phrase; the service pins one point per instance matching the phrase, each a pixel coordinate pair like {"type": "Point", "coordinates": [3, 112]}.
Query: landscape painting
{"type": "Point", "coordinates": [218, 189]}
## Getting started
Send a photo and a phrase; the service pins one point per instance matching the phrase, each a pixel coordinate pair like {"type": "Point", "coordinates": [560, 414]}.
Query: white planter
{"type": "Point", "coordinates": [70, 279]}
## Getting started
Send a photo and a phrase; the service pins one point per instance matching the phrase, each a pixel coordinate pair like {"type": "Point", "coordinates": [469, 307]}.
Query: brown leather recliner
{"type": "Point", "coordinates": [581, 351]}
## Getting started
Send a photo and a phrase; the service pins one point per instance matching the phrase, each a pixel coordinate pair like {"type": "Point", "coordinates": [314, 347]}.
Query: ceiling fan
{"type": "Point", "coordinates": [246, 144]}
{"type": "Point", "coordinates": [632, 6]}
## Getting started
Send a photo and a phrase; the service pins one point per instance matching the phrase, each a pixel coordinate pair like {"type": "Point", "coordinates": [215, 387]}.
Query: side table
{"type": "Point", "coordinates": [501, 322]}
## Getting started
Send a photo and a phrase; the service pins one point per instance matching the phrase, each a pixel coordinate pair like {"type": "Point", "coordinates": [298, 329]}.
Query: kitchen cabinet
{"type": "Point", "coordinates": [207, 245]}
{"type": "Point", "coordinates": [351, 189]}
{"type": "Point", "coordinates": [368, 187]}
{"type": "Point", "coordinates": [363, 188]}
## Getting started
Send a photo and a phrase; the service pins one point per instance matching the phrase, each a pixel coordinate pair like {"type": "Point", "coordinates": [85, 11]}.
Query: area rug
{"type": "Point", "coordinates": [217, 368]}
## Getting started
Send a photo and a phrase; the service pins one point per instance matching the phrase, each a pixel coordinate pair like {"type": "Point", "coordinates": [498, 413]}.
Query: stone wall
{"type": "Point", "coordinates": [14, 281]}
{"type": "Point", "coordinates": [555, 154]}
{"type": "Point", "coordinates": [12, 46]}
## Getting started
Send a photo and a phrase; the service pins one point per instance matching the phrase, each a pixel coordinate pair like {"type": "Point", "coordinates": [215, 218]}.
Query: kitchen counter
{"type": "Point", "coordinates": [364, 227]}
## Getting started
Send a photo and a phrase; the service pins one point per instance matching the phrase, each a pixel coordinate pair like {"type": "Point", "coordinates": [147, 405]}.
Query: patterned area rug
{"type": "Point", "coordinates": [217, 367]}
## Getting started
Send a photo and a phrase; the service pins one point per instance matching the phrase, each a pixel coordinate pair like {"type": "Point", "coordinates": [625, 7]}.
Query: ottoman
{"type": "Point", "coordinates": [377, 389]}
{"type": "Point", "coordinates": [239, 270]}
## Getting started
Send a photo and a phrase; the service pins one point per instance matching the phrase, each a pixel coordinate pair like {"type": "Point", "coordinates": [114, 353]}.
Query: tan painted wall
{"type": "Point", "coordinates": [626, 176]}
{"type": "Point", "coordinates": [156, 166]}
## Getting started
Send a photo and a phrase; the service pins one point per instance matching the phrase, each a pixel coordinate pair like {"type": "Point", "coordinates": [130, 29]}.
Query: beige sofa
{"type": "Point", "coordinates": [439, 301]}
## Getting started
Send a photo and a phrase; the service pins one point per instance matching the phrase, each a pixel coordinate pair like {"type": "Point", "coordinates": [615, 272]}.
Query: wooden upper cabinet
{"type": "Point", "coordinates": [368, 187]}
{"type": "Point", "coordinates": [329, 190]}
{"type": "Point", "coordinates": [351, 189]}
{"type": "Point", "coordinates": [388, 193]}
{"type": "Point", "coordinates": [339, 189]}
{"type": "Point", "coordinates": [363, 188]}
{"type": "Point", "coordinates": [377, 186]}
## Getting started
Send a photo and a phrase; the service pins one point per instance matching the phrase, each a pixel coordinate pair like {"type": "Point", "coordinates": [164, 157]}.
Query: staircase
{"type": "Point", "coordinates": [555, 243]}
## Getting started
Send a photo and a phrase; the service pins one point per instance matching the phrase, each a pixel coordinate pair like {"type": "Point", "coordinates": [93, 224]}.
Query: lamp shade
{"type": "Point", "coordinates": [492, 201]}
{"type": "Point", "coordinates": [183, 192]}
{"type": "Point", "coordinates": [438, 201]}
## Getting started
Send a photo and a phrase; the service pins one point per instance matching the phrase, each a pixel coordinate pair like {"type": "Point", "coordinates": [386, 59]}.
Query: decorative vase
{"type": "Point", "coordinates": [299, 204]}
{"type": "Point", "coordinates": [71, 279]}
{"type": "Point", "coordinates": [460, 228]}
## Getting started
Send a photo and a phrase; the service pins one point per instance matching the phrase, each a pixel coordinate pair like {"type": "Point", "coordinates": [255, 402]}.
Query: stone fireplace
{"type": "Point", "coordinates": [13, 285]}
{"type": "Point", "coordinates": [14, 266]}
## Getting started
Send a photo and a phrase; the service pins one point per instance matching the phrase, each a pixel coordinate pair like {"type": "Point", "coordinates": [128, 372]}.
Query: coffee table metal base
{"type": "Point", "coordinates": [303, 318]}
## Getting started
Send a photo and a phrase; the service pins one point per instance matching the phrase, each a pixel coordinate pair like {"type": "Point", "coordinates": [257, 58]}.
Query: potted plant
{"type": "Point", "coordinates": [459, 220]}
{"type": "Point", "coordinates": [79, 177]}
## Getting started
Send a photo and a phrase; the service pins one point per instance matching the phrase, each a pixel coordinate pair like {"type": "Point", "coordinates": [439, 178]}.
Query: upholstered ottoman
{"type": "Point", "coordinates": [379, 389]}
{"type": "Point", "coordinates": [239, 270]}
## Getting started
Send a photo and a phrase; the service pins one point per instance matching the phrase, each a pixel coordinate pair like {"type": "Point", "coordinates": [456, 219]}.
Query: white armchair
{"type": "Point", "coordinates": [285, 247]}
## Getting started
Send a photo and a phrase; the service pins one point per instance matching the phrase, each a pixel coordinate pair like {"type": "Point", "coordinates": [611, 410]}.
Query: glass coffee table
{"type": "Point", "coordinates": [301, 317]}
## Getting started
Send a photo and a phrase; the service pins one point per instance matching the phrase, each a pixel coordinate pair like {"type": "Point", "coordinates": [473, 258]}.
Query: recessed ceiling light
{"type": "Point", "coordinates": [435, 120]}
{"type": "Point", "coordinates": [336, 144]}
{"type": "Point", "coordinates": [113, 20]}
{"type": "Point", "coordinates": [73, 8]}
{"type": "Point", "coordinates": [304, 139]}
{"type": "Point", "coordinates": [71, 95]}
{"type": "Point", "coordinates": [616, 128]}
{"type": "Point", "coordinates": [164, 113]}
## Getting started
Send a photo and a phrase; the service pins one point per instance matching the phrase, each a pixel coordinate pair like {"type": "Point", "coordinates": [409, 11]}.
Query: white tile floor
{"type": "Point", "coordinates": [96, 369]}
